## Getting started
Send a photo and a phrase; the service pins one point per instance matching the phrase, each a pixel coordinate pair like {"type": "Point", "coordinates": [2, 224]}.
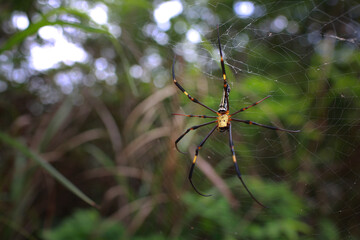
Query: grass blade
{"type": "Point", "coordinates": [49, 168]}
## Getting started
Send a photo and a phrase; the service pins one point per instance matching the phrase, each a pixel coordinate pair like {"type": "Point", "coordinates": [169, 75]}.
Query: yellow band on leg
{"type": "Point", "coordinates": [194, 159]}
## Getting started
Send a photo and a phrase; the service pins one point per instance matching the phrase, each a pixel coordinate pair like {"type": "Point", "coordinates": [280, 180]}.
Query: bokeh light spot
{"type": "Point", "coordinates": [244, 9]}
{"type": "Point", "coordinates": [279, 24]}
{"type": "Point", "coordinates": [99, 14]}
{"type": "Point", "coordinates": [20, 20]}
{"type": "Point", "coordinates": [193, 36]}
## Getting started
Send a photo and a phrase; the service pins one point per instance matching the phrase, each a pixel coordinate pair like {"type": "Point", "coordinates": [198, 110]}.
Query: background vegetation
{"type": "Point", "coordinates": [87, 146]}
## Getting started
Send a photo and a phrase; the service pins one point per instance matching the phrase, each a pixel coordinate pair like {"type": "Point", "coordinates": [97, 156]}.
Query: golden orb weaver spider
{"type": "Point", "coordinates": [223, 123]}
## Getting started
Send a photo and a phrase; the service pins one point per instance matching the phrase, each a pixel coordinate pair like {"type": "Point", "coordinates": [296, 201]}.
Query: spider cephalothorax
{"type": "Point", "coordinates": [224, 103]}
{"type": "Point", "coordinates": [223, 122]}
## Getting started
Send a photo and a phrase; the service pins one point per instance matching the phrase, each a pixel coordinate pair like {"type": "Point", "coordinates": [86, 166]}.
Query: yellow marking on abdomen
{"type": "Point", "coordinates": [224, 76]}
{"type": "Point", "coordinates": [223, 121]}
{"type": "Point", "coordinates": [186, 93]}
{"type": "Point", "coordinates": [234, 158]}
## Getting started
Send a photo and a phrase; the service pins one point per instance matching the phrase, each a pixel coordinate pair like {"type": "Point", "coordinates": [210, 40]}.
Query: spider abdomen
{"type": "Point", "coordinates": [223, 122]}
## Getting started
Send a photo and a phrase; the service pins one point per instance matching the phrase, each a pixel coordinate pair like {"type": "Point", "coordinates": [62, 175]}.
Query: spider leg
{"type": "Point", "coordinates": [194, 161]}
{"type": "Point", "coordinates": [183, 90]}
{"type": "Point", "coordinates": [188, 130]}
{"type": "Point", "coordinates": [191, 115]}
{"type": "Point", "coordinates": [226, 86]}
{"type": "Point", "coordinates": [264, 126]}
{"type": "Point", "coordinates": [254, 104]}
{"type": "Point", "coordinates": [237, 167]}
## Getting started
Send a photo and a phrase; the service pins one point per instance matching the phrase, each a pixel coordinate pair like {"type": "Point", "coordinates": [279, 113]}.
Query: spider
{"type": "Point", "coordinates": [223, 123]}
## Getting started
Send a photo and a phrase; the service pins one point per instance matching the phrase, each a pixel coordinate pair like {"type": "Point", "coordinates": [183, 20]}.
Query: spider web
{"type": "Point", "coordinates": [305, 54]}
{"type": "Point", "coordinates": [312, 75]}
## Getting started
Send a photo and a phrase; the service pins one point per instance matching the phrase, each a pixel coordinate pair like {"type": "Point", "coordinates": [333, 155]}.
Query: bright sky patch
{"type": "Point", "coordinates": [167, 10]}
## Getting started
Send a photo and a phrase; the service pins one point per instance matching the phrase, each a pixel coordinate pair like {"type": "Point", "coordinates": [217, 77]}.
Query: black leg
{"type": "Point", "coordinates": [183, 90]}
{"type": "Point", "coordinates": [191, 115]}
{"type": "Point", "coordinates": [237, 167]}
{"type": "Point", "coordinates": [245, 108]}
{"type": "Point", "coordinates": [226, 86]}
{"type": "Point", "coordinates": [188, 130]}
{"type": "Point", "coordinates": [194, 161]}
{"type": "Point", "coordinates": [264, 126]}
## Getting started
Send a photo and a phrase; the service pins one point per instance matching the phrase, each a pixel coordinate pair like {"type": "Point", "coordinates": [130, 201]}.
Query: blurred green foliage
{"type": "Point", "coordinates": [219, 221]}
{"type": "Point", "coordinates": [86, 224]}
